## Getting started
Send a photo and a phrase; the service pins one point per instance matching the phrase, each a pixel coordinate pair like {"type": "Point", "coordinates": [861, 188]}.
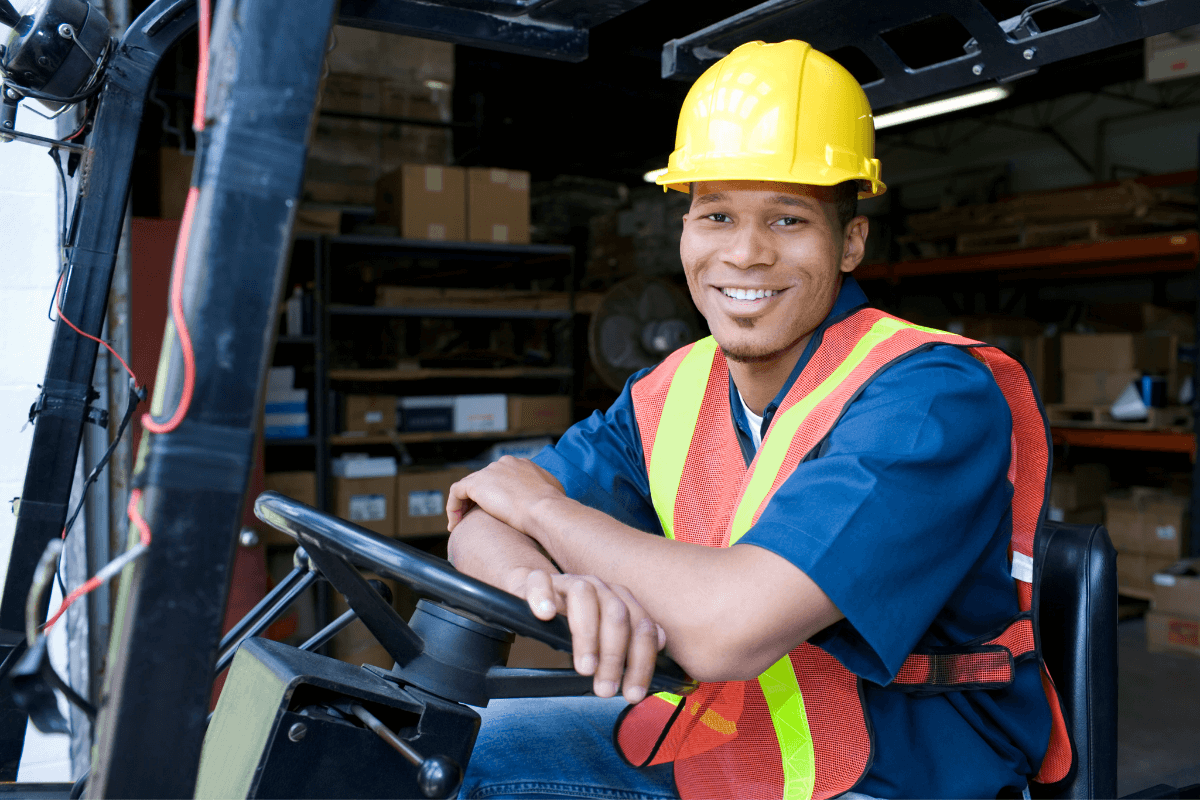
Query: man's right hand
{"type": "Point", "coordinates": [613, 637]}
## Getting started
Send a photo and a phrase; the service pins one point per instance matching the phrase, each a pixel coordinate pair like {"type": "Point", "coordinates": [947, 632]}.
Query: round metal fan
{"type": "Point", "coordinates": [638, 323]}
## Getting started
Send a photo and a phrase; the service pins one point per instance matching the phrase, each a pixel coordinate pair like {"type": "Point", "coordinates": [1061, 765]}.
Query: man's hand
{"type": "Point", "coordinates": [506, 489]}
{"type": "Point", "coordinates": [613, 638]}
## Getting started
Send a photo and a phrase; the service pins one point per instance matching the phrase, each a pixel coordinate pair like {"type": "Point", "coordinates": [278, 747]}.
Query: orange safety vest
{"type": "Point", "coordinates": [800, 729]}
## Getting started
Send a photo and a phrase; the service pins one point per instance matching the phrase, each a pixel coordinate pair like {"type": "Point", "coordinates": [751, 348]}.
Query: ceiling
{"type": "Point", "coordinates": [613, 116]}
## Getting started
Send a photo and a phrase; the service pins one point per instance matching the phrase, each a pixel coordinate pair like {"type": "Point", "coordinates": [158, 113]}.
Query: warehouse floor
{"type": "Point", "coordinates": [1158, 716]}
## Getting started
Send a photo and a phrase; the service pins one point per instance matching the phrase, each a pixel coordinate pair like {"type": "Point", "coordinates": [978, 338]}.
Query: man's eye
{"type": "Point", "coordinates": [719, 217]}
{"type": "Point", "coordinates": [790, 221]}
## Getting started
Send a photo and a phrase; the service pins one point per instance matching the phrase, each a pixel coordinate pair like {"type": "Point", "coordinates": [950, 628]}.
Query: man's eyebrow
{"type": "Point", "coordinates": [714, 197]}
{"type": "Point", "coordinates": [792, 200]}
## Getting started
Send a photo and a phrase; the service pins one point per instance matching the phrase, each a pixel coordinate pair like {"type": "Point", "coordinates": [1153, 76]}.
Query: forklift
{"type": "Point", "coordinates": [291, 722]}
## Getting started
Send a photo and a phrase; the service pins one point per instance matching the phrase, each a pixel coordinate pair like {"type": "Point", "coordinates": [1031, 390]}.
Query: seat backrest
{"type": "Point", "coordinates": [1075, 592]}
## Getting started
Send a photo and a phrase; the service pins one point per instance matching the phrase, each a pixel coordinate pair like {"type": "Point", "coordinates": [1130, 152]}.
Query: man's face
{"type": "Point", "coordinates": [763, 261]}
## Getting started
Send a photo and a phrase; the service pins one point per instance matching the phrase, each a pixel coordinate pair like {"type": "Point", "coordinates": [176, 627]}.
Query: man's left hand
{"type": "Point", "coordinates": [507, 489]}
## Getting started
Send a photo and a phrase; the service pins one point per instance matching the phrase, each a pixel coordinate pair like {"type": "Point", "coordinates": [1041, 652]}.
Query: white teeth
{"type": "Point", "coordinates": [749, 294]}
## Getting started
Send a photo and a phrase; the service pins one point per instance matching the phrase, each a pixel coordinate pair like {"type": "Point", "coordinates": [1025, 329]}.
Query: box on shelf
{"type": "Point", "coordinates": [313, 221]}
{"type": "Point", "coordinates": [1136, 571]}
{"type": "Point", "coordinates": [497, 205]}
{"type": "Point", "coordinates": [479, 413]}
{"type": "Point", "coordinates": [527, 653]}
{"type": "Point", "coordinates": [520, 448]}
{"type": "Point", "coordinates": [369, 502]}
{"type": "Point", "coordinates": [1082, 487]}
{"type": "Point", "coordinates": [425, 414]}
{"type": "Point", "coordinates": [362, 465]}
{"type": "Point", "coordinates": [425, 201]}
{"type": "Point", "coordinates": [353, 93]}
{"type": "Point", "coordinates": [1077, 516]}
{"type": "Point", "coordinates": [1149, 521]}
{"type": "Point", "coordinates": [421, 499]}
{"type": "Point", "coordinates": [538, 413]}
{"type": "Point", "coordinates": [298, 485]}
{"type": "Point", "coordinates": [1097, 388]}
{"type": "Point", "coordinates": [1172, 633]}
{"type": "Point", "coordinates": [435, 297]}
{"type": "Point", "coordinates": [369, 414]}
{"type": "Point", "coordinates": [1118, 352]}
{"type": "Point", "coordinates": [1177, 588]}
{"type": "Point", "coordinates": [285, 426]}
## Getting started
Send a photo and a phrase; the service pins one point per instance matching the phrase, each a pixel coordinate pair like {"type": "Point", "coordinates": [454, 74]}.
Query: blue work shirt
{"type": "Point", "coordinates": [903, 520]}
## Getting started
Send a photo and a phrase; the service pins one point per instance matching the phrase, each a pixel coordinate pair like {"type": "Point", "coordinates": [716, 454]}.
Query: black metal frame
{"type": "Point", "coordinates": [997, 55]}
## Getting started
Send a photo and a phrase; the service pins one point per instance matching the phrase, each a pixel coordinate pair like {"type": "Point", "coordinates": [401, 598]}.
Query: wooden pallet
{"type": "Point", "coordinates": [1068, 415]}
{"type": "Point", "coordinates": [1028, 235]}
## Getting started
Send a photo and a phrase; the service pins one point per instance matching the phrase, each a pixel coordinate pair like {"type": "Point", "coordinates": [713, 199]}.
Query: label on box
{"type": "Point", "coordinates": [373, 416]}
{"type": "Point", "coordinates": [499, 176]}
{"type": "Point", "coordinates": [433, 180]}
{"type": "Point", "coordinates": [367, 507]}
{"type": "Point", "coordinates": [437, 232]}
{"type": "Point", "coordinates": [1183, 632]}
{"type": "Point", "coordinates": [1165, 532]}
{"type": "Point", "coordinates": [1164, 580]}
{"type": "Point", "coordinates": [426, 504]}
{"type": "Point", "coordinates": [499, 233]}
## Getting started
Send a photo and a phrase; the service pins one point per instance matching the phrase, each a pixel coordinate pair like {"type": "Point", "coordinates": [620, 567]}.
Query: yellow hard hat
{"type": "Point", "coordinates": [776, 112]}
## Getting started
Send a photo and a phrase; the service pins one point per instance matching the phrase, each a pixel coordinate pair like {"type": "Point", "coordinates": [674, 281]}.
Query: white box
{"type": "Point", "coordinates": [358, 465]}
{"type": "Point", "coordinates": [480, 413]}
{"type": "Point", "coordinates": [1173, 55]}
{"type": "Point", "coordinates": [281, 379]}
{"type": "Point", "coordinates": [520, 448]}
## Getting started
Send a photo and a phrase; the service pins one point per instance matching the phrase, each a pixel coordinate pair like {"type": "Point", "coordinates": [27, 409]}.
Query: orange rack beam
{"type": "Point", "coordinates": [1159, 441]}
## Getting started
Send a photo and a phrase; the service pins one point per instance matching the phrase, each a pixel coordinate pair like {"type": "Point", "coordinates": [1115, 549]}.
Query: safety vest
{"type": "Point", "coordinates": [800, 729]}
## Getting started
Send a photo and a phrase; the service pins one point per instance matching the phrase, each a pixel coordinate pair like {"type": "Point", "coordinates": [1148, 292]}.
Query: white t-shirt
{"type": "Point", "coordinates": [755, 423]}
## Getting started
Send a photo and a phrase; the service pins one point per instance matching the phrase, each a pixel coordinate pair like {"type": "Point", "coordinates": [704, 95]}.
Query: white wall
{"type": "Point", "coordinates": [29, 220]}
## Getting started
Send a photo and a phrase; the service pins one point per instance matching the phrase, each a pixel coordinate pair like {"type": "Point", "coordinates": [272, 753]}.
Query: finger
{"type": "Point", "coordinates": [642, 650]}
{"type": "Point", "coordinates": [458, 503]}
{"type": "Point", "coordinates": [540, 595]}
{"type": "Point", "coordinates": [583, 615]}
{"type": "Point", "coordinates": [614, 642]}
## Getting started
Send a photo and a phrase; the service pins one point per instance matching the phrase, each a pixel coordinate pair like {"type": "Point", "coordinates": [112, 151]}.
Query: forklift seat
{"type": "Point", "coordinates": [1075, 581]}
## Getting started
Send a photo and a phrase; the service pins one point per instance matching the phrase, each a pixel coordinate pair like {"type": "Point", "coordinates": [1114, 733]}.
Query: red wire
{"type": "Point", "coordinates": [135, 514]}
{"type": "Point", "coordinates": [89, 585]}
{"type": "Point", "coordinates": [71, 325]}
{"type": "Point", "coordinates": [179, 268]}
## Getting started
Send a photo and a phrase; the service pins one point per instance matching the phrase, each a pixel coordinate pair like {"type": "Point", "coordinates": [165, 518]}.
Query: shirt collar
{"type": "Point", "coordinates": [850, 298]}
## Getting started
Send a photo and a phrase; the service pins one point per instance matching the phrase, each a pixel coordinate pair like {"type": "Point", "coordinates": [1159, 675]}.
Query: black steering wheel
{"type": "Point", "coordinates": [337, 547]}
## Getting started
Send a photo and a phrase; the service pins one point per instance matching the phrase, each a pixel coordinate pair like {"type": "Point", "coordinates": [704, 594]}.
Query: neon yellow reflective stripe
{"type": "Point", "coordinates": [673, 699]}
{"type": "Point", "coordinates": [680, 414]}
{"type": "Point", "coordinates": [786, 704]}
{"type": "Point", "coordinates": [784, 428]}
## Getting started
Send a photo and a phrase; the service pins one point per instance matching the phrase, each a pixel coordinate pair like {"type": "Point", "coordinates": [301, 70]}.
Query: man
{"type": "Point", "coordinates": [811, 511]}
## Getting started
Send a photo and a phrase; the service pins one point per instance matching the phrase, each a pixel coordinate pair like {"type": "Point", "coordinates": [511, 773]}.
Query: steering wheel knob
{"type": "Point", "coordinates": [438, 776]}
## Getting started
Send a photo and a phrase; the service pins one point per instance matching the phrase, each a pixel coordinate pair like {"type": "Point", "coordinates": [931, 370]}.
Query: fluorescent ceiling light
{"type": "Point", "coordinates": [652, 175]}
{"type": "Point", "coordinates": [944, 106]}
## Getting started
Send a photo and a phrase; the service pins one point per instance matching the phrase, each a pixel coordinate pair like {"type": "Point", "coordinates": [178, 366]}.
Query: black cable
{"type": "Point", "coordinates": [136, 396]}
{"type": "Point", "coordinates": [62, 179]}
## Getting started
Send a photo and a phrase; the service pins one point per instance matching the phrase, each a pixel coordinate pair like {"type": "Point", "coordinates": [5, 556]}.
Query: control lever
{"type": "Point", "coordinates": [437, 776]}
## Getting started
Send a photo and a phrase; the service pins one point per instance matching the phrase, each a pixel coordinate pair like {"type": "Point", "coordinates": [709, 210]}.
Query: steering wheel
{"type": "Point", "coordinates": [337, 547]}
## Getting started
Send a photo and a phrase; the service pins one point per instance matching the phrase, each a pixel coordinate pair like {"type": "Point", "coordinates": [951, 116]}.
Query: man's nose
{"type": "Point", "coordinates": [749, 245]}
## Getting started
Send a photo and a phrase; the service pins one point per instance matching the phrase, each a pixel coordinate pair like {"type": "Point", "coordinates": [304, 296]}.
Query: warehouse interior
{"type": "Point", "coordinates": [480, 258]}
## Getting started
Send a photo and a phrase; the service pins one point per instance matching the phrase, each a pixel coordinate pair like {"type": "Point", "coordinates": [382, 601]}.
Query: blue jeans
{"type": "Point", "coordinates": [560, 747]}
{"type": "Point", "coordinates": [557, 747]}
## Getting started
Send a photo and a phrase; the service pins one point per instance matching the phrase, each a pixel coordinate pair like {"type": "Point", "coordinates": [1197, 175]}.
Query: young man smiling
{"type": "Point", "coordinates": [811, 510]}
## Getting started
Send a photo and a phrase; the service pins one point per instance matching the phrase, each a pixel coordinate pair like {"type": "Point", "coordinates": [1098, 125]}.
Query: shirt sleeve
{"type": "Point", "coordinates": [600, 463]}
{"type": "Point", "coordinates": [908, 496]}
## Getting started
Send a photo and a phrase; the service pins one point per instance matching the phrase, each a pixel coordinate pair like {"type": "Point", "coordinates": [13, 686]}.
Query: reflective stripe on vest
{"type": "Point", "coordinates": [668, 437]}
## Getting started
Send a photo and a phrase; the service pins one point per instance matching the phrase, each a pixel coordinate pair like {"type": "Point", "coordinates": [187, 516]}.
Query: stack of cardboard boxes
{"type": "Point", "coordinates": [1077, 495]}
{"type": "Point", "coordinates": [1173, 623]}
{"type": "Point", "coordinates": [477, 204]}
{"type": "Point", "coordinates": [1149, 528]}
{"type": "Point", "coordinates": [1097, 367]}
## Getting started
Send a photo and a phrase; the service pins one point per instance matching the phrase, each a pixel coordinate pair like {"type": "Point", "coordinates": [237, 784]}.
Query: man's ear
{"type": "Point", "coordinates": [854, 245]}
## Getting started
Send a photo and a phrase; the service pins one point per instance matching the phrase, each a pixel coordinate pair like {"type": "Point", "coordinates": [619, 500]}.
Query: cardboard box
{"type": "Point", "coordinates": [425, 414]}
{"type": "Point", "coordinates": [1172, 633]}
{"type": "Point", "coordinates": [478, 413]}
{"type": "Point", "coordinates": [1117, 352]}
{"type": "Point", "coordinates": [538, 413]}
{"type": "Point", "coordinates": [497, 205]}
{"type": "Point", "coordinates": [356, 645]}
{"type": "Point", "coordinates": [527, 653]}
{"type": "Point", "coordinates": [424, 201]}
{"type": "Point", "coordinates": [355, 94]}
{"type": "Point", "coordinates": [309, 221]}
{"type": "Point", "coordinates": [1082, 487]}
{"type": "Point", "coordinates": [369, 414]}
{"type": "Point", "coordinates": [1147, 520]}
{"type": "Point", "coordinates": [421, 496]}
{"type": "Point", "coordinates": [1042, 355]}
{"type": "Point", "coordinates": [1177, 588]}
{"type": "Point", "coordinates": [369, 502]}
{"type": "Point", "coordinates": [1077, 516]}
{"type": "Point", "coordinates": [1099, 388]}
{"type": "Point", "coordinates": [1135, 571]}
